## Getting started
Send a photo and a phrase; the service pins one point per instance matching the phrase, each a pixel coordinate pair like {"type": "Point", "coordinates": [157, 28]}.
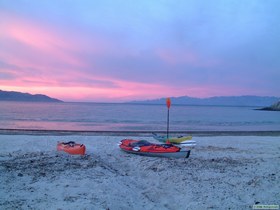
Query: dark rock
{"type": "Point", "coordinates": [273, 107]}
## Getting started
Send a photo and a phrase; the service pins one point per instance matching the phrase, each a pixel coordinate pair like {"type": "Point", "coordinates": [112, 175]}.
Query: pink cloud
{"type": "Point", "coordinates": [37, 40]}
{"type": "Point", "coordinates": [124, 91]}
{"type": "Point", "coordinates": [41, 56]}
{"type": "Point", "coordinates": [44, 60]}
{"type": "Point", "coordinates": [35, 45]}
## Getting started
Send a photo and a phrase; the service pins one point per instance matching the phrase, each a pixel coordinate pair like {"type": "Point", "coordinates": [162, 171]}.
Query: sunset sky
{"type": "Point", "coordinates": [121, 50]}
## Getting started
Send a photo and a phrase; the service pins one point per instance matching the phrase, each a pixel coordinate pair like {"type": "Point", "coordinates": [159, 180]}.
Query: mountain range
{"type": "Point", "coordinates": [18, 96]}
{"type": "Point", "coordinates": [249, 100]}
{"type": "Point", "coordinates": [215, 101]}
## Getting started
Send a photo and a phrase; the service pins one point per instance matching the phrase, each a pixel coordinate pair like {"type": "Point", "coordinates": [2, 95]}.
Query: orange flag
{"type": "Point", "coordinates": [168, 103]}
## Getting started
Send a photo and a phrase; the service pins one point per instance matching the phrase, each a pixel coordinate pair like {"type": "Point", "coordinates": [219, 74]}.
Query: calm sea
{"type": "Point", "coordinates": [133, 117]}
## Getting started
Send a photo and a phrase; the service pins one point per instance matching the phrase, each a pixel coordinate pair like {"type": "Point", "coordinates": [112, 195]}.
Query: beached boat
{"type": "Point", "coordinates": [143, 147]}
{"type": "Point", "coordinates": [173, 140]}
{"type": "Point", "coordinates": [71, 147]}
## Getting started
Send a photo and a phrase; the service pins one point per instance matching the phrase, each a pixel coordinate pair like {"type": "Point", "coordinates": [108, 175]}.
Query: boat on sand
{"type": "Point", "coordinates": [71, 147]}
{"type": "Point", "coordinates": [143, 147]}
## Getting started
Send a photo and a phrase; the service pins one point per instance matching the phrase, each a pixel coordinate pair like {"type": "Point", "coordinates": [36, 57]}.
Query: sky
{"type": "Point", "coordinates": [123, 50]}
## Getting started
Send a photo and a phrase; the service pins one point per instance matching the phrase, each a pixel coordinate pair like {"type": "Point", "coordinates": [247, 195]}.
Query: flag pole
{"type": "Point", "coordinates": [168, 104]}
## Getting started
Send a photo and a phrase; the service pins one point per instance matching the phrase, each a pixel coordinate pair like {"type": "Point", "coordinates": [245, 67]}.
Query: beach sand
{"type": "Point", "coordinates": [222, 172]}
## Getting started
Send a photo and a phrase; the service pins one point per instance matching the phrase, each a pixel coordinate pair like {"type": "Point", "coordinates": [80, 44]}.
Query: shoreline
{"type": "Point", "coordinates": [134, 133]}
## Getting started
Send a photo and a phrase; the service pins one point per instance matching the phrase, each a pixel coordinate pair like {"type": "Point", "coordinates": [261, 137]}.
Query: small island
{"type": "Point", "coordinates": [27, 97]}
{"type": "Point", "coordinates": [273, 107]}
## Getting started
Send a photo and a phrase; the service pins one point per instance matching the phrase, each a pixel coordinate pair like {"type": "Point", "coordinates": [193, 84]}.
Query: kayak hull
{"type": "Point", "coordinates": [181, 154]}
{"type": "Point", "coordinates": [189, 143]}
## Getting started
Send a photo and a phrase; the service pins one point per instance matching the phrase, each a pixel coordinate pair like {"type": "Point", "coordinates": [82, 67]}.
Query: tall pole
{"type": "Point", "coordinates": [168, 104]}
{"type": "Point", "coordinates": [167, 125]}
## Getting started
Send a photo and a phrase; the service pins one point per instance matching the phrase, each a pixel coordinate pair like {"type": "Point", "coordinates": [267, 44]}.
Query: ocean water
{"type": "Point", "coordinates": [133, 117]}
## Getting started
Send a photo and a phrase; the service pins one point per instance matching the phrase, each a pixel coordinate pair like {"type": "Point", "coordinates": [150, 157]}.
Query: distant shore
{"type": "Point", "coordinates": [134, 133]}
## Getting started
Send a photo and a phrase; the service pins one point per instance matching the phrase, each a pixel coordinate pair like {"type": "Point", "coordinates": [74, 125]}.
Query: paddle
{"type": "Point", "coordinates": [168, 104]}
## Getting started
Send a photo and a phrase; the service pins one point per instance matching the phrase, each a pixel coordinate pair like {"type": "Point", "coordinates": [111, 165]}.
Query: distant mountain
{"type": "Point", "coordinates": [18, 96]}
{"type": "Point", "coordinates": [213, 101]}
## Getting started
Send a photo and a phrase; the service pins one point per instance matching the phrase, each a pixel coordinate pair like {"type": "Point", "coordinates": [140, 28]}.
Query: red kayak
{"type": "Point", "coordinates": [72, 148]}
{"type": "Point", "coordinates": [143, 147]}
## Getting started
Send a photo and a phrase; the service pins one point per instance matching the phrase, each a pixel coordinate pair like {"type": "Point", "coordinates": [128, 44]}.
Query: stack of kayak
{"type": "Point", "coordinates": [71, 147]}
{"type": "Point", "coordinates": [143, 147]}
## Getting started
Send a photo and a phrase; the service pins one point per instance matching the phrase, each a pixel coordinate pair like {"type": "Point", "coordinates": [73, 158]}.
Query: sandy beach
{"type": "Point", "coordinates": [222, 172]}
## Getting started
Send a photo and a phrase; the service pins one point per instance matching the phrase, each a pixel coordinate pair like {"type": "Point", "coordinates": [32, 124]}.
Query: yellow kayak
{"type": "Point", "coordinates": [174, 140]}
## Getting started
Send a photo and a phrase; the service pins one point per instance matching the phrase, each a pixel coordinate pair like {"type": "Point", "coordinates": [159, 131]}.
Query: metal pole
{"type": "Point", "coordinates": [167, 125]}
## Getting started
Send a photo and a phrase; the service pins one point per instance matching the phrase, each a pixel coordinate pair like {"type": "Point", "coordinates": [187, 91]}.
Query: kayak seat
{"type": "Point", "coordinates": [69, 142]}
{"type": "Point", "coordinates": [140, 143]}
{"type": "Point", "coordinates": [166, 145]}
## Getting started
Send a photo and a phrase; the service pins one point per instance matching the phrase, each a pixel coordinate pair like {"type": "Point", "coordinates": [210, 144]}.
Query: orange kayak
{"type": "Point", "coordinates": [142, 147]}
{"type": "Point", "coordinates": [71, 147]}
